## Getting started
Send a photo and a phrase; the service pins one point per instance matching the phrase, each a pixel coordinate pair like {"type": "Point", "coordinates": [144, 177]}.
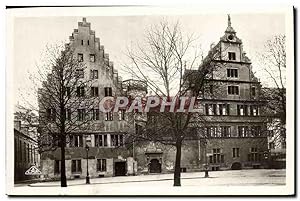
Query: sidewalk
{"type": "Point", "coordinates": [122, 179]}
{"type": "Point", "coordinates": [214, 177]}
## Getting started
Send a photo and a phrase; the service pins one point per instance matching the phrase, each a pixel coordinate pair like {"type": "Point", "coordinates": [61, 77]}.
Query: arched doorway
{"type": "Point", "coordinates": [236, 166]}
{"type": "Point", "coordinates": [155, 166]}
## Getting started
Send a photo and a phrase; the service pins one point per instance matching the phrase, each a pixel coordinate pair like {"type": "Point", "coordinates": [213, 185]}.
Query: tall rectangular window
{"type": "Point", "coordinates": [101, 140]}
{"type": "Point", "coordinates": [68, 114]}
{"type": "Point", "coordinates": [76, 166]}
{"type": "Point", "coordinates": [233, 90]}
{"type": "Point", "coordinates": [242, 110]}
{"type": "Point", "coordinates": [217, 157]}
{"type": "Point", "coordinates": [57, 167]}
{"type": "Point", "coordinates": [81, 42]}
{"type": "Point", "coordinates": [235, 152]}
{"type": "Point", "coordinates": [253, 156]}
{"type": "Point", "coordinates": [225, 131]}
{"type": "Point", "coordinates": [231, 56]}
{"type": "Point", "coordinates": [122, 115]}
{"type": "Point", "coordinates": [95, 114]}
{"type": "Point", "coordinates": [76, 141]}
{"type": "Point", "coordinates": [212, 131]}
{"type": "Point", "coordinates": [94, 74]}
{"type": "Point", "coordinates": [116, 140]}
{"type": "Point", "coordinates": [224, 109]}
{"type": "Point", "coordinates": [92, 58]}
{"type": "Point", "coordinates": [254, 110]}
{"type": "Point", "coordinates": [51, 114]}
{"type": "Point", "coordinates": [94, 91]}
{"type": "Point", "coordinates": [211, 109]}
{"type": "Point", "coordinates": [81, 114]}
{"type": "Point", "coordinates": [231, 72]}
{"type": "Point", "coordinates": [80, 92]}
{"type": "Point", "coordinates": [108, 91]}
{"type": "Point", "coordinates": [101, 165]}
{"type": "Point", "coordinates": [108, 116]}
{"type": "Point", "coordinates": [256, 131]}
{"type": "Point", "coordinates": [253, 91]}
{"type": "Point", "coordinates": [80, 57]}
{"type": "Point", "coordinates": [243, 131]}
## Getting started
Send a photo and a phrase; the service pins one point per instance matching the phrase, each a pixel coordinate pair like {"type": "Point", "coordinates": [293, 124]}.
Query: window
{"type": "Point", "coordinates": [76, 141]}
{"type": "Point", "coordinates": [94, 91]}
{"type": "Point", "coordinates": [101, 165]}
{"type": "Point", "coordinates": [224, 109]}
{"type": "Point", "coordinates": [231, 55]}
{"type": "Point", "coordinates": [108, 116]}
{"type": "Point", "coordinates": [217, 157]}
{"type": "Point", "coordinates": [121, 115]}
{"type": "Point", "coordinates": [116, 140]}
{"type": "Point", "coordinates": [51, 114]}
{"type": "Point", "coordinates": [80, 57]}
{"type": "Point", "coordinates": [81, 42]}
{"type": "Point", "coordinates": [68, 114]}
{"type": "Point", "coordinates": [271, 145]}
{"type": "Point", "coordinates": [232, 72]}
{"type": "Point", "coordinates": [212, 131]}
{"type": "Point", "coordinates": [256, 131]}
{"type": "Point", "coordinates": [80, 91]}
{"type": "Point", "coordinates": [95, 114]}
{"type": "Point", "coordinates": [211, 109]}
{"type": "Point", "coordinates": [108, 91]}
{"type": "Point", "coordinates": [88, 42]}
{"type": "Point", "coordinates": [242, 110]}
{"type": "Point", "coordinates": [79, 73]}
{"type": "Point", "coordinates": [101, 140]}
{"type": "Point", "coordinates": [253, 91]}
{"type": "Point", "coordinates": [94, 74]}
{"type": "Point", "coordinates": [225, 131]}
{"type": "Point", "coordinates": [92, 58]}
{"type": "Point", "coordinates": [235, 152]}
{"type": "Point", "coordinates": [254, 110]}
{"type": "Point", "coordinates": [81, 114]}
{"type": "Point", "coordinates": [253, 156]}
{"type": "Point", "coordinates": [57, 167]}
{"type": "Point", "coordinates": [76, 166]}
{"type": "Point", "coordinates": [233, 90]}
{"type": "Point", "coordinates": [68, 91]}
{"type": "Point", "coordinates": [243, 131]}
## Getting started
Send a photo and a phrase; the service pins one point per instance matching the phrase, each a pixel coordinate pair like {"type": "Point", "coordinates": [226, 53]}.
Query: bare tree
{"type": "Point", "coordinates": [65, 100]}
{"type": "Point", "coordinates": [161, 62]}
{"type": "Point", "coordinates": [274, 61]}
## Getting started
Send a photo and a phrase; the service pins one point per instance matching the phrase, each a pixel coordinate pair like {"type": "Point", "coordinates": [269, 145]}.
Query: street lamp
{"type": "Point", "coordinates": [87, 148]}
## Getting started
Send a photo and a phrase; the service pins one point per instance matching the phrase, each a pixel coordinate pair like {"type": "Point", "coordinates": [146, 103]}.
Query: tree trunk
{"type": "Point", "coordinates": [63, 178]}
{"type": "Point", "coordinates": [177, 164]}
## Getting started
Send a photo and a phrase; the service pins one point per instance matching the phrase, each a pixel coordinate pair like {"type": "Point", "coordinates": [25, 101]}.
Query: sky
{"type": "Point", "coordinates": [116, 33]}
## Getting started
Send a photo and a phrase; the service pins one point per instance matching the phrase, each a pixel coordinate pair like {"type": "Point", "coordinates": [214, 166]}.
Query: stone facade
{"type": "Point", "coordinates": [234, 133]}
{"type": "Point", "coordinates": [107, 155]}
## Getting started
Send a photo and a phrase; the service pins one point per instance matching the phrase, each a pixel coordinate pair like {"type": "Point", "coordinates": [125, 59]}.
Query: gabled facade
{"type": "Point", "coordinates": [107, 155]}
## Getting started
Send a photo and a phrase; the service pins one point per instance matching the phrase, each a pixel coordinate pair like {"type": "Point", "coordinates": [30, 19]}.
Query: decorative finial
{"type": "Point", "coordinates": [229, 20]}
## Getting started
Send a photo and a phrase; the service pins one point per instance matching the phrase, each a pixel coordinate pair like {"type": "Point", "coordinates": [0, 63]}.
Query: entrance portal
{"type": "Point", "coordinates": [120, 169]}
{"type": "Point", "coordinates": [236, 166]}
{"type": "Point", "coordinates": [155, 166]}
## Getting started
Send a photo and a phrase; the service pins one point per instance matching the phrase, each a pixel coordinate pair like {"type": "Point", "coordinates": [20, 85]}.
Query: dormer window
{"type": "Point", "coordinates": [231, 56]}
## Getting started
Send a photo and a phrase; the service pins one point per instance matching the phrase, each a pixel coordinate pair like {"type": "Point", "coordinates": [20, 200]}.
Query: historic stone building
{"type": "Point", "coordinates": [107, 155]}
{"type": "Point", "coordinates": [234, 131]}
{"type": "Point", "coordinates": [233, 136]}
{"type": "Point", "coordinates": [26, 153]}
